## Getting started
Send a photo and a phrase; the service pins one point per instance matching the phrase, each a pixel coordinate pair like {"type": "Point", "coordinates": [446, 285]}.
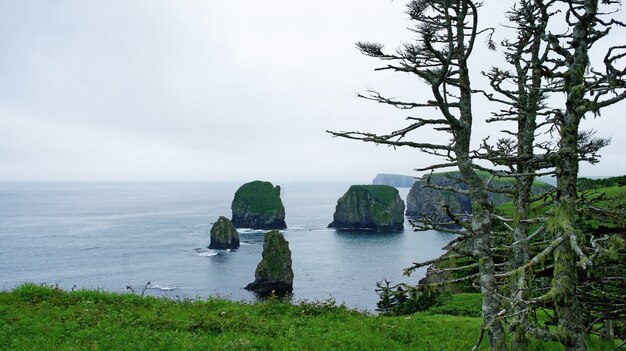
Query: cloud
{"type": "Point", "coordinates": [201, 90]}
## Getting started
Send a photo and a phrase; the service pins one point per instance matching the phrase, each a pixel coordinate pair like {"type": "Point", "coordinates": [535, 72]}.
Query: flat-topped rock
{"type": "Point", "coordinates": [257, 205]}
{"type": "Point", "coordinates": [375, 207]}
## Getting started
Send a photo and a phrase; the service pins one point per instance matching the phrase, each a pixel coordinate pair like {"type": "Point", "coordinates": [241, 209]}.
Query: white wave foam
{"type": "Point", "coordinates": [206, 253]}
{"type": "Point", "coordinates": [250, 230]}
{"type": "Point", "coordinates": [161, 287]}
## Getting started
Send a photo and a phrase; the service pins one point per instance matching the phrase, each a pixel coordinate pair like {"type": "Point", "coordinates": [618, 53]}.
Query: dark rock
{"type": "Point", "coordinates": [224, 235]}
{"type": "Point", "coordinates": [257, 205]}
{"type": "Point", "coordinates": [377, 207]}
{"type": "Point", "coordinates": [395, 180]}
{"type": "Point", "coordinates": [423, 201]}
{"type": "Point", "coordinates": [274, 273]}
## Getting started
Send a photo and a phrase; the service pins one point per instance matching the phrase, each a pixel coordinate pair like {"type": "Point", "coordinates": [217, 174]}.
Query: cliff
{"type": "Point", "coordinates": [422, 200]}
{"type": "Point", "coordinates": [395, 180]}
{"type": "Point", "coordinates": [376, 207]}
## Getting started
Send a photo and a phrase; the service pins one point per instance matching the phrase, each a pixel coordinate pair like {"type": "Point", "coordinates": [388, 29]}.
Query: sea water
{"type": "Point", "coordinates": [120, 236]}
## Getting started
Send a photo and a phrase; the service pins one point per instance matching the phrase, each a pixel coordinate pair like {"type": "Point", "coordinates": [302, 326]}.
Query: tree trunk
{"type": "Point", "coordinates": [571, 330]}
{"type": "Point", "coordinates": [481, 229]}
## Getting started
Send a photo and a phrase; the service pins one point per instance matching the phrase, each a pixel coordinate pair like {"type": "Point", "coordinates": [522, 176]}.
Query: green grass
{"type": "Point", "coordinates": [36, 317]}
{"type": "Point", "coordinates": [464, 304]}
{"type": "Point", "coordinates": [42, 318]}
{"type": "Point", "coordinates": [612, 197]}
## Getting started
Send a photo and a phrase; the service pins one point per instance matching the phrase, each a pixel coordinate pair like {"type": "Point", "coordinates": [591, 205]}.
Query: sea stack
{"type": "Point", "coordinates": [224, 235]}
{"type": "Point", "coordinates": [273, 275]}
{"type": "Point", "coordinates": [374, 207]}
{"type": "Point", "coordinates": [257, 205]}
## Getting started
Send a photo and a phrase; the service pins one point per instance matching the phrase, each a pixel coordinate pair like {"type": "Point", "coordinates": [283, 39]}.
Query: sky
{"type": "Point", "coordinates": [216, 90]}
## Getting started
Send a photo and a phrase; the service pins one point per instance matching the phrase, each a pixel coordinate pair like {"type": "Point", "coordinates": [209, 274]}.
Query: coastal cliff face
{"type": "Point", "coordinates": [274, 272]}
{"type": "Point", "coordinates": [224, 235]}
{"type": "Point", "coordinates": [377, 207]}
{"type": "Point", "coordinates": [395, 180]}
{"type": "Point", "coordinates": [422, 201]}
{"type": "Point", "coordinates": [257, 205]}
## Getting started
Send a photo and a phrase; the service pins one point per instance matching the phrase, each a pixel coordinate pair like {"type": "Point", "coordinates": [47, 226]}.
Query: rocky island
{"type": "Point", "coordinates": [257, 205]}
{"type": "Point", "coordinates": [375, 207]}
{"type": "Point", "coordinates": [224, 235]}
{"type": "Point", "coordinates": [274, 273]}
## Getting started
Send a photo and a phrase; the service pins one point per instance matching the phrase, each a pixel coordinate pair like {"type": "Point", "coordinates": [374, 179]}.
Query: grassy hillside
{"type": "Point", "coordinates": [42, 318]}
{"type": "Point", "coordinates": [34, 317]}
{"type": "Point", "coordinates": [496, 182]}
{"type": "Point", "coordinates": [610, 197]}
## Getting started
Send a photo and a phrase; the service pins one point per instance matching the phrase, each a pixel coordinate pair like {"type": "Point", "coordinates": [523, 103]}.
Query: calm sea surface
{"type": "Point", "coordinates": [114, 235]}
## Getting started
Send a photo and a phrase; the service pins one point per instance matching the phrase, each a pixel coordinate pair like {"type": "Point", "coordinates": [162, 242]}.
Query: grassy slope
{"type": "Point", "coordinates": [41, 318]}
{"type": "Point", "coordinates": [497, 181]}
{"type": "Point", "coordinates": [611, 197]}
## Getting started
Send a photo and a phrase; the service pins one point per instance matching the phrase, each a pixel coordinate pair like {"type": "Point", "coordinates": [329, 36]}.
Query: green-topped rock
{"type": "Point", "coordinates": [375, 207]}
{"type": "Point", "coordinates": [274, 273]}
{"type": "Point", "coordinates": [224, 235]}
{"type": "Point", "coordinates": [257, 205]}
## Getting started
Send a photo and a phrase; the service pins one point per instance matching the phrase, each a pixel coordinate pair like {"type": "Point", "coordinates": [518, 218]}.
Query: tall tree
{"type": "Point", "coordinates": [520, 89]}
{"type": "Point", "coordinates": [586, 91]}
{"type": "Point", "coordinates": [446, 34]}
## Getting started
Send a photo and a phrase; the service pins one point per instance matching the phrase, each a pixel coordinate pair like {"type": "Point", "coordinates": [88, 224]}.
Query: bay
{"type": "Point", "coordinates": [120, 236]}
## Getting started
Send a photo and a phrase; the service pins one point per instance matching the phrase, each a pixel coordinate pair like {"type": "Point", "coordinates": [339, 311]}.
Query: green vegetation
{"type": "Point", "coordinates": [34, 317]}
{"type": "Point", "coordinates": [258, 197]}
{"type": "Point", "coordinates": [496, 182]}
{"type": "Point", "coordinates": [610, 197]}
{"type": "Point", "coordinates": [43, 318]}
{"type": "Point", "coordinates": [468, 305]}
{"type": "Point", "coordinates": [381, 193]}
{"type": "Point", "coordinates": [588, 183]}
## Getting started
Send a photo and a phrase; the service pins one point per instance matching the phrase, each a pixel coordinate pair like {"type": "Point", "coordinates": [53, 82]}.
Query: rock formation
{"type": "Point", "coordinates": [395, 180]}
{"type": "Point", "coordinates": [377, 207]}
{"type": "Point", "coordinates": [422, 201]}
{"type": "Point", "coordinates": [274, 273]}
{"type": "Point", "coordinates": [257, 205]}
{"type": "Point", "coordinates": [224, 235]}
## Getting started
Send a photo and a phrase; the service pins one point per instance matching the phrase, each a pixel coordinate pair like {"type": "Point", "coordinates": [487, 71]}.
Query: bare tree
{"type": "Point", "coordinates": [541, 63]}
{"type": "Point", "coordinates": [447, 31]}
{"type": "Point", "coordinates": [520, 90]}
{"type": "Point", "coordinates": [586, 91]}
{"type": "Point", "coordinates": [566, 63]}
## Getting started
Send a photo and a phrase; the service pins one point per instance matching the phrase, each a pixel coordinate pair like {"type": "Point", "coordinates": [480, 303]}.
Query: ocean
{"type": "Point", "coordinates": [120, 236]}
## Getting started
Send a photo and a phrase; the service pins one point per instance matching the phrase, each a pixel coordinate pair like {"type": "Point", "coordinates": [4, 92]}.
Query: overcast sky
{"type": "Point", "coordinates": [228, 90]}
